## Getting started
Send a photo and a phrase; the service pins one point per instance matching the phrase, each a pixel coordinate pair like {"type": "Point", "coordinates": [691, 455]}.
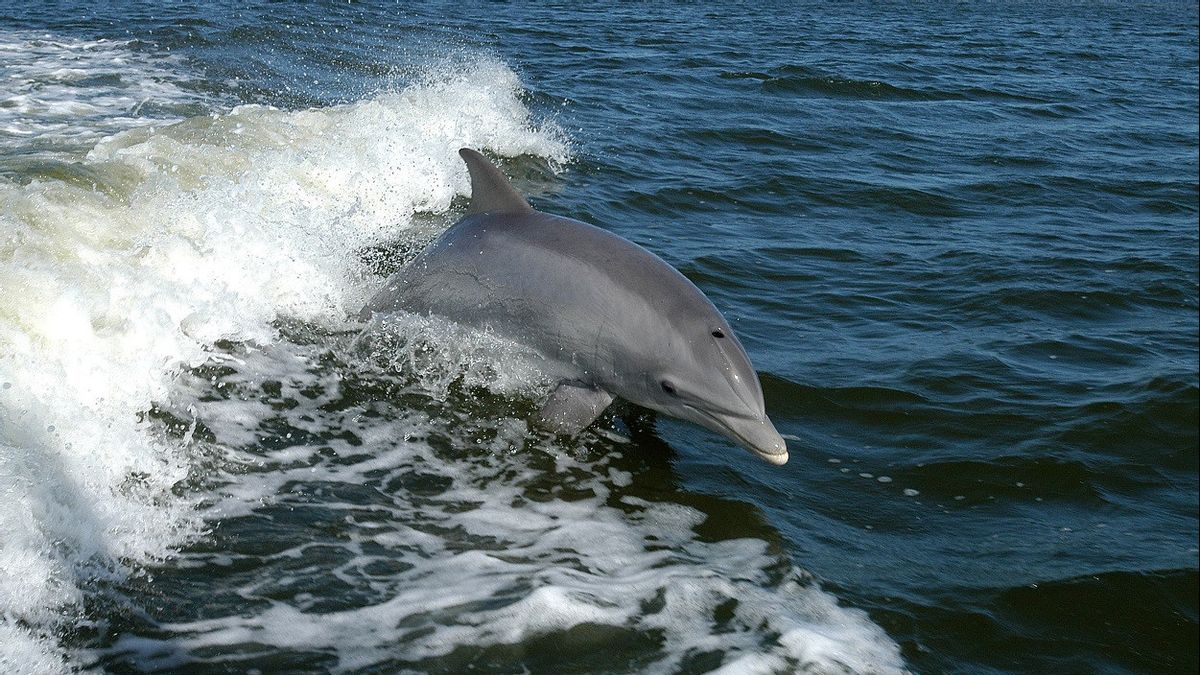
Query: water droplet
{"type": "Point", "coordinates": [884, 479]}
{"type": "Point", "coordinates": [909, 492]}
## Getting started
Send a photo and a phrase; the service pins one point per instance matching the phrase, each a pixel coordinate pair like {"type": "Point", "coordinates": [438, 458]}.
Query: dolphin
{"type": "Point", "coordinates": [609, 317]}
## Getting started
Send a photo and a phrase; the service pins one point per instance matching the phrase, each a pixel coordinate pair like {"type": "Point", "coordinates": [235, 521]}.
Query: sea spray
{"type": "Point", "coordinates": [206, 229]}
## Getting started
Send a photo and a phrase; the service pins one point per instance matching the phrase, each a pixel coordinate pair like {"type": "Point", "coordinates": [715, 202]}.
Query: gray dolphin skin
{"type": "Point", "coordinates": [609, 317]}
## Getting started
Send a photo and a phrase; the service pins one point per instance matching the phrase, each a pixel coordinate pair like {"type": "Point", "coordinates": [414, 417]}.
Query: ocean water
{"type": "Point", "coordinates": [959, 242]}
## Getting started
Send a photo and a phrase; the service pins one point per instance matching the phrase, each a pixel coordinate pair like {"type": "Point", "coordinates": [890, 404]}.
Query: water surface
{"type": "Point", "coordinates": [959, 243]}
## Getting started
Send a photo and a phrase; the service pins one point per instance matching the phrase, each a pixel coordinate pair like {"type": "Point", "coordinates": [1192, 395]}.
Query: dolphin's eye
{"type": "Point", "coordinates": [718, 333]}
{"type": "Point", "coordinates": [668, 387]}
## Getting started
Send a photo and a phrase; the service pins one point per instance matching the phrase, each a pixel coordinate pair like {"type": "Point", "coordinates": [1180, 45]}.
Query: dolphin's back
{"type": "Point", "coordinates": [559, 285]}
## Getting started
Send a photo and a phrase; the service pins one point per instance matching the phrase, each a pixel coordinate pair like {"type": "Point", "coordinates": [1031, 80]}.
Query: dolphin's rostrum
{"type": "Point", "coordinates": [610, 318]}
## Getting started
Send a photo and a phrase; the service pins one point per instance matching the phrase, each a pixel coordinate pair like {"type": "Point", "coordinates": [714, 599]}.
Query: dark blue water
{"type": "Point", "coordinates": [958, 241]}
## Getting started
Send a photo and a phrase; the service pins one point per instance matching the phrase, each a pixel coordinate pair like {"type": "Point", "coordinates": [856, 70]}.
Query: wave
{"type": "Point", "coordinates": [124, 265]}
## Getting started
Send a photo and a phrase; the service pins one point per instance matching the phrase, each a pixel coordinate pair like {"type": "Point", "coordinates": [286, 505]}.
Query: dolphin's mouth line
{"type": "Point", "coordinates": [689, 401]}
{"type": "Point", "coordinates": [772, 457]}
{"type": "Point", "coordinates": [715, 412]}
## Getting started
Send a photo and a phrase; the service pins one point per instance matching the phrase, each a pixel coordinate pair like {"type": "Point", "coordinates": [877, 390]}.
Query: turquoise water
{"type": "Point", "coordinates": [958, 242]}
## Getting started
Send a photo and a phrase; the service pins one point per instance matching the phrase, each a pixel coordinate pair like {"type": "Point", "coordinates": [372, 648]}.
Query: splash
{"type": "Point", "coordinates": [123, 268]}
{"type": "Point", "coordinates": [424, 540]}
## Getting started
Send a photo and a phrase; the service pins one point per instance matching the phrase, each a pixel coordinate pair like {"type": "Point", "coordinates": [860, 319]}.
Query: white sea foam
{"type": "Point", "coordinates": [454, 551]}
{"type": "Point", "coordinates": [65, 94]}
{"type": "Point", "coordinates": [206, 229]}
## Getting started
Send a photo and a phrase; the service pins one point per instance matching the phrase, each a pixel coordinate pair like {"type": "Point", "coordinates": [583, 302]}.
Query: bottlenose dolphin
{"type": "Point", "coordinates": [610, 318]}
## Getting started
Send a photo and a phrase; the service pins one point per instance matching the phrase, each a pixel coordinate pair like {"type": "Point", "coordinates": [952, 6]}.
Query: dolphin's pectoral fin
{"type": "Point", "coordinates": [572, 406]}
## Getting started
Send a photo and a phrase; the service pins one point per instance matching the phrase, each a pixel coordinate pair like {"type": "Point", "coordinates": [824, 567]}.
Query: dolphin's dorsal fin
{"type": "Point", "coordinates": [490, 190]}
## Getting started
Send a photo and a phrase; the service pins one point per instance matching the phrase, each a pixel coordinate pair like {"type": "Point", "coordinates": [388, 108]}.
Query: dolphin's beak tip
{"type": "Point", "coordinates": [776, 459]}
{"type": "Point", "coordinates": [756, 434]}
{"type": "Point", "coordinates": [775, 453]}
